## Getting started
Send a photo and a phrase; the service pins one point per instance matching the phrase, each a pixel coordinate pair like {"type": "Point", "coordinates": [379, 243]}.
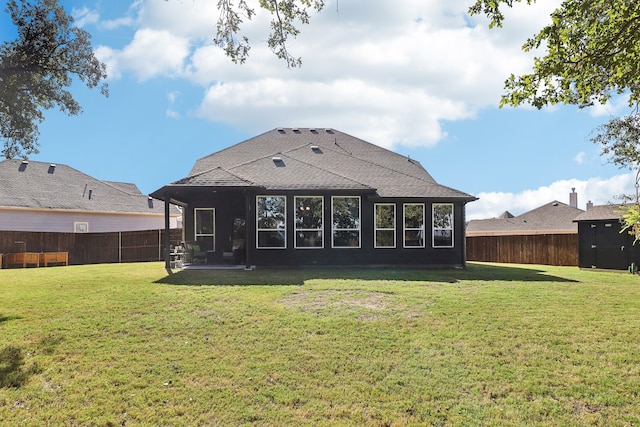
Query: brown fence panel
{"type": "Point", "coordinates": [546, 249]}
{"type": "Point", "coordinates": [92, 248]}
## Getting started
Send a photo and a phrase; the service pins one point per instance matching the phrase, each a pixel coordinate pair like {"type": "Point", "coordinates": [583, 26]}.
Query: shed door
{"type": "Point", "coordinates": [611, 252]}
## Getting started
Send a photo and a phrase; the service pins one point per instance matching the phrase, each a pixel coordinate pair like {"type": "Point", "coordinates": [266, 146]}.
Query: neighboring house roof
{"type": "Point", "coordinates": [553, 218]}
{"type": "Point", "coordinates": [308, 158]}
{"type": "Point", "coordinates": [38, 185]}
{"type": "Point", "coordinates": [600, 213]}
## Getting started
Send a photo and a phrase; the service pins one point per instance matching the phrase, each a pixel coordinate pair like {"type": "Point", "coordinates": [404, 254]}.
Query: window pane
{"type": "Point", "coordinates": [309, 239]}
{"type": "Point", "coordinates": [413, 215]}
{"type": "Point", "coordinates": [414, 238]}
{"type": "Point", "coordinates": [204, 221]}
{"type": "Point", "coordinates": [443, 216]}
{"type": "Point", "coordinates": [442, 238]}
{"type": "Point", "coordinates": [346, 213]}
{"type": "Point", "coordinates": [346, 238]}
{"type": "Point", "coordinates": [271, 212]}
{"type": "Point", "coordinates": [385, 216]}
{"type": "Point", "coordinates": [271, 239]}
{"type": "Point", "coordinates": [308, 212]}
{"type": "Point", "coordinates": [385, 238]}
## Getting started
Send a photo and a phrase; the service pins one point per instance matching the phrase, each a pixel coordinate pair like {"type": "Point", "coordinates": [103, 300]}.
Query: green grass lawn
{"type": "Point", "coordinates": [130, 344]}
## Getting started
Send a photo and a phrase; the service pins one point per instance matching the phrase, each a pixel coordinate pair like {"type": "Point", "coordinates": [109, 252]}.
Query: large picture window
{"type": "Point", "coordinates": [414, 225]}
{"type": "Point", "coordinates": [345, 214]}
{"type": "Point", "coordinates": [271, 221]}
{"type": "Point", "coordinates": [442, 225]}
{"type": "Point", "coordinates": [205, 229]}
{"type": "Point", "coordinates": [309, 222]}
{"type": "Point", "coordinates": [385, 225]}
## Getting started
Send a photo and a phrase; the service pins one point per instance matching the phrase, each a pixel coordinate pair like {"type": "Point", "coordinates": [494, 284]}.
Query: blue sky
{"type": "Point", "coordinates": [421, 79]}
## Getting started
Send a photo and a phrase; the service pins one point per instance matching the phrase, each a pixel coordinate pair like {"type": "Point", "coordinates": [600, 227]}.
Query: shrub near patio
{"type": "Point", "coordinates": [130, 344]}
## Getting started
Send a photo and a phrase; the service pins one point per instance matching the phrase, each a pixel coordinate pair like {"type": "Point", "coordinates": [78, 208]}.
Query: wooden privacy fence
{"type": "Point", "coordinates": [545, 249]}
{"type": "Point", "coordinates": [92, 248]}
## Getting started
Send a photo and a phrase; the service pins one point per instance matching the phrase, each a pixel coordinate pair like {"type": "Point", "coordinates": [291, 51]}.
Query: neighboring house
{"type": "Point", "coordinates": [553, 218]}
{"type": "Point", "coordinates": [545, 235]}
{"type": "Point", "coordinates": [47, 197]}
{"type": "Point", "coordinates": [601, 244]}
{"type": "Point", "coordinates": [303, 196]}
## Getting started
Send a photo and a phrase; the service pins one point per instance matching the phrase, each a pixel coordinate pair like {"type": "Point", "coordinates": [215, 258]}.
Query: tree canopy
{"type": "Point", "coordinates": [592, 53]}
{"type": "Point", "coordinates": [37, 69]}
{"type": "Point", "coordinates": [287, 15]}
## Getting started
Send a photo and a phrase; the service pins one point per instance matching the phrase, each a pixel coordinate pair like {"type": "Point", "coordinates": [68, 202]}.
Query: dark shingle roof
{"type": "Point", "coordinates": [38, 185]}
{"type": "Point", "coordinates": [554, 217]}
{"type": "Point", "coordinates": [600, 213]}
{"type": "Point", "coordinates": [317, 159]}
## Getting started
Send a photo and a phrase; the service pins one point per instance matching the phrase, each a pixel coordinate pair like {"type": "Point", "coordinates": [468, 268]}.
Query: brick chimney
{"type": "Point", "coordinates": [589, 204]}
{"type": "Point", "coordinates": [573, 198]}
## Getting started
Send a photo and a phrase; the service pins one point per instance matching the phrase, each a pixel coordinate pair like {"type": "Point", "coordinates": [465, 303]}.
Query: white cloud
{"type": "Point", "coordinates": [349, 105]}
{"type": "Point", "coordinates": [614, 107]}
{"type": "Point", "coordinates": [579, 158]}
{"type": "Point", "coordinates": [84, 16]}
{"type": "Point", "coordinates": [172, 114]}
{"type": "Point", "coordinates": [597, 190]}
{"type": "Point", "coordinates": [151, 53]}
{"type": "Point", "coordinates": [401, 67]}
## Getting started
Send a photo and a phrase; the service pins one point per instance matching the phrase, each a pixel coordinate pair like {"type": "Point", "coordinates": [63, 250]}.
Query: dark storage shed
{"type": "Point", "coordinates": [601, 244]}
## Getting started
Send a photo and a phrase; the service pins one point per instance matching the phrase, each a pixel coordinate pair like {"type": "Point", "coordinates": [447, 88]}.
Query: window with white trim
{"type": "Point", "coordinates": [81, 227]}
{"type": "Point", "coordinates": [309, 221]}
{"type": "Point", "coordinates": [205, 228]}
{"type": "Point", "coordinates": [413, 225]}
{"type": "Point", "coordinates": [345, 218]}
{"type": "Point", "coordinates": [271, 214]}
{"type": "Point", "coordinates": [442, 225]}
{"type": "Point", "coordinates": [385, 225]}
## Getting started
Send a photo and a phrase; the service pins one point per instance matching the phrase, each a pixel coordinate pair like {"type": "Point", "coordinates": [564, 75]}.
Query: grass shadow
{"type": "Point", "coordinates": [12, 371]}
{"type": "Point", "coordinates": [4, 318]}
{"type": "Point", "coordinates": [298, 276]}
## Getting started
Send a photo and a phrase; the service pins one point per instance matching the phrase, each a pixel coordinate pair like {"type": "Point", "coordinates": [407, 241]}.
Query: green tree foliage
{"type": "Point", "coordinates": [37, 68]}
{"type": "Point", "coordinates": [287, 15]}
{"type": "Point", "coordinates": [592, 52]}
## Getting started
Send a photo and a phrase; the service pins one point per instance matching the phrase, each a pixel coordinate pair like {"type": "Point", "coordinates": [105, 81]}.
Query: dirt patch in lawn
{"type": "Point", "coordinates": [368, 305]}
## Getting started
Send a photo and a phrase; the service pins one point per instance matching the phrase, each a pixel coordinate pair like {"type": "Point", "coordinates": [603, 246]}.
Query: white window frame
{"type": "Point", "coordinates": [434, 228]}
{"type": "Point", "coordinates": [375, 225]}
{"type": "Point", "coordinates": [334, 230]}
{"type": "Point", "coordinates": [80, 227]}
{"type": "Point", "coordinates": [297, 230]}
{"type": "Point", "coordinates": [258, 229]}
{"type": "Point", "coordinates": [413, 229]}
{"type": "Point", "coordinates": [196, 235]}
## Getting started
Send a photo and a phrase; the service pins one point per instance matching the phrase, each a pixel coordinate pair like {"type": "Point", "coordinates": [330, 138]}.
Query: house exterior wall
{"type": "Point", "coordinates": [61, 221]}
{"type": "Point", "coordinates": [232, 205]}
{"type": "Point", "coordinates": [601, 245]}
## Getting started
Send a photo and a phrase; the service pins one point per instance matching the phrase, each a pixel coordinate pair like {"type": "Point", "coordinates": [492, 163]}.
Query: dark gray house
{"type": "Point", "coordinates": [601, 244]}
{"type": "Point", "coordinates": [304, 196]}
